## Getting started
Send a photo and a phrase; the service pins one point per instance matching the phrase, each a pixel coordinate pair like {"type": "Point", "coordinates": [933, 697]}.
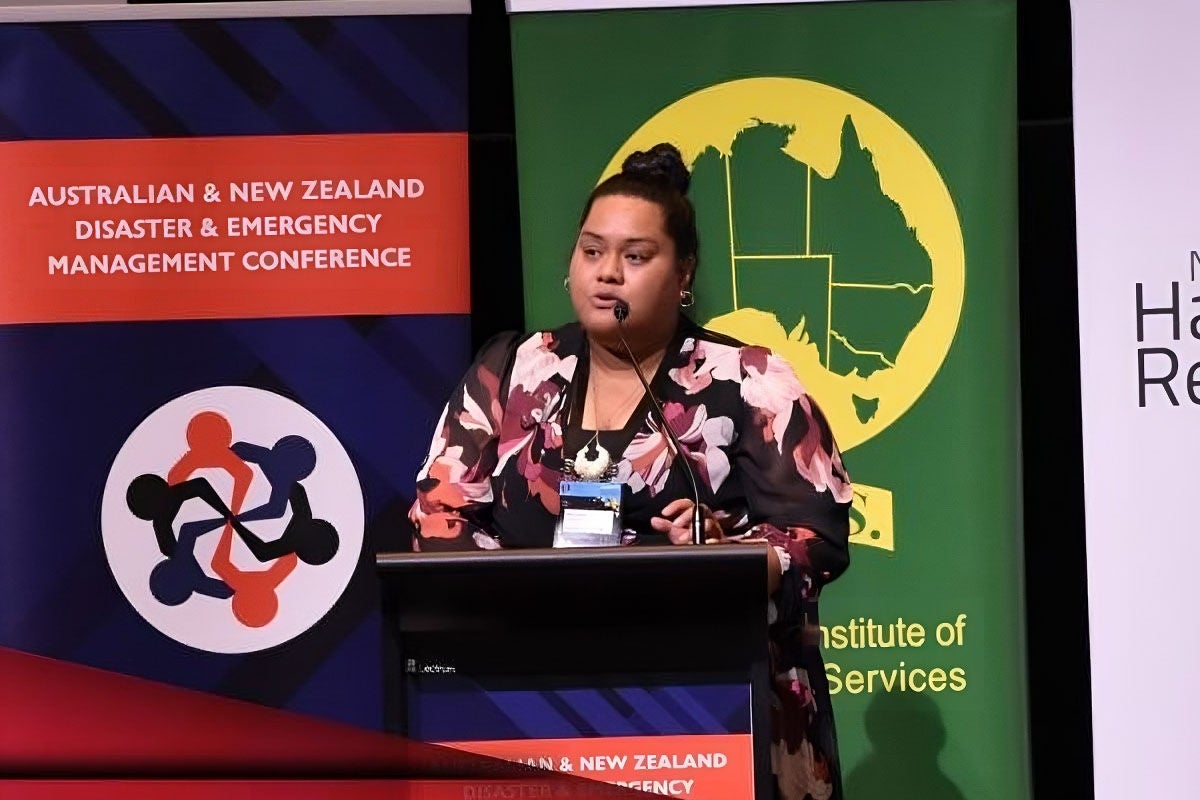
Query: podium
{"type": "Point", "coordinates": [584, 637]}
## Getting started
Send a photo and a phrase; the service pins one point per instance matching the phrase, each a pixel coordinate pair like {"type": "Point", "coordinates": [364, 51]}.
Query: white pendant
{"type": "Point", "coordinates": [592, 469]}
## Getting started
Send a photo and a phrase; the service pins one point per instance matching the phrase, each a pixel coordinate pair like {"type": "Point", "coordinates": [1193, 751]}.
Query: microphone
{"type": "Point", "coordinates": [621, 311]}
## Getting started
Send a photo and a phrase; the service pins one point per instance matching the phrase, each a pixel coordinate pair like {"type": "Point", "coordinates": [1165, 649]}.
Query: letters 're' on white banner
{"type": "Point", "coordinates": [1137, 169]}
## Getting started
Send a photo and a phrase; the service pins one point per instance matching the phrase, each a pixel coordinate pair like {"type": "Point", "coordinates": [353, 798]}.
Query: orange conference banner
{"type": "Point", "coordinates": [232, 227]}
{"type": "Point", "coordinates": [701, 767]}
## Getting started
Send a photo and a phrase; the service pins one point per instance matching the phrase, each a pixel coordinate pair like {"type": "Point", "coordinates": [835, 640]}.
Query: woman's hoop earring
{"type": "Point", "coordinates": [566, 283]}
{"type": "Point", "coordinates": [687, 299]}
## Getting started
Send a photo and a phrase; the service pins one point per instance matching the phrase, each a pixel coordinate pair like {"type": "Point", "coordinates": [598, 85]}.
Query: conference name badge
{"type": "Point", "coordinates": [590, 514]}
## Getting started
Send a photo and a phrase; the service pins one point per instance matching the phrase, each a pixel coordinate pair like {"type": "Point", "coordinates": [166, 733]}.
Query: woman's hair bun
{"type": "Point", "coordinates": [661, 162]}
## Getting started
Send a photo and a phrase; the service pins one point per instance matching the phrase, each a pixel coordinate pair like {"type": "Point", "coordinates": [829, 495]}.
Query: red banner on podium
{"type": "Point", "coordinates": [706, 767]}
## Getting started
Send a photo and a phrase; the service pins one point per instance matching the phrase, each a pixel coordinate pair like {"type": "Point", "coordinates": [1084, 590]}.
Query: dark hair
{"type": "Point", "coordinates": [659, 176]}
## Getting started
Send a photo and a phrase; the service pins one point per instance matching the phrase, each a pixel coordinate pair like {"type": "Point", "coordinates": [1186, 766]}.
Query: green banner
{"type": "Point", "coordinates": [854, 174]}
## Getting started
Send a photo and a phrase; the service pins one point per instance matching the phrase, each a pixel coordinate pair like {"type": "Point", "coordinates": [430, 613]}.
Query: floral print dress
{"type": "Point", "coordinates": [763, 456]}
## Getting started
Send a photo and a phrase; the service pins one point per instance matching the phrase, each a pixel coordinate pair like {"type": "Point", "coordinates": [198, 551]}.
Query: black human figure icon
{"type": "Point", "coordinates": [151, 498]}
{"type": "Point", "coordinates": [314, 541]}
{"type": "Point", "coordinates": [174, 579]}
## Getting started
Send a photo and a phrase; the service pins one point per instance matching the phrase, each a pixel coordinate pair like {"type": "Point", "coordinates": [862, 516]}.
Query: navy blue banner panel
{"type": "Point", "coordinates": [234, 300]}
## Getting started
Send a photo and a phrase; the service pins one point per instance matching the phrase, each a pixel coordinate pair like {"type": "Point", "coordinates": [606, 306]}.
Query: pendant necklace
{"type": "Point", "coordinates": [592, 469]}
{"type": "Point", "coordinates": [601, 467]}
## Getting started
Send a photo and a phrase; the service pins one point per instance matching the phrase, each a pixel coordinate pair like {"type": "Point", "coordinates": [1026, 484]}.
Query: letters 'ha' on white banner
{"type": "Point", "coordinates": [1138, 209]}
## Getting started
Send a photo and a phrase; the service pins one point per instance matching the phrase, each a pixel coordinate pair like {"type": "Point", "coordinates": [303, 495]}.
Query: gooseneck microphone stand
{"type": "Point", "coordinates": [621, 311]}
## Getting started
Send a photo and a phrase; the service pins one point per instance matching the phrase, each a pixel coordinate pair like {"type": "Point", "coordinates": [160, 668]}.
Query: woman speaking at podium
{"type": "Point", "coordinates": [569, 405]}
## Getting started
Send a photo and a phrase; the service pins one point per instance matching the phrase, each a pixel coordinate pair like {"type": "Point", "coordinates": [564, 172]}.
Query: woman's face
{"type": "Point", "coordinates": [623, 253]}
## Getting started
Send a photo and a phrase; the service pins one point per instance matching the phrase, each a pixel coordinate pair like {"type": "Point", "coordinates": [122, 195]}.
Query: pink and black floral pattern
{"type": "Point", "coordinates": [762, 453]}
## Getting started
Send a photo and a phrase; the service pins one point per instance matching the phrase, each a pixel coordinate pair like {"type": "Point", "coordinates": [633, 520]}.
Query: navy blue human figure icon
{"type": "Point", "coordinates": [175, 579]}
{"type": "Point", "coordinates": [284, 464]}
{"type": "Point", "coordinates": [151, 498]}
{"type": "Point", "coordinates": [314, 541]}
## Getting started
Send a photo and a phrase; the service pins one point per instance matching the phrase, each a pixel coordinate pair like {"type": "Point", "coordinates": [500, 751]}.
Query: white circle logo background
{"type": "Point", "coordinates": [262, 418]}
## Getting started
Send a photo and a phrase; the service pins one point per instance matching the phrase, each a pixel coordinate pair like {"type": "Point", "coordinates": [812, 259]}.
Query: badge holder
{"type": "Point", "coordinates": [589, 515]}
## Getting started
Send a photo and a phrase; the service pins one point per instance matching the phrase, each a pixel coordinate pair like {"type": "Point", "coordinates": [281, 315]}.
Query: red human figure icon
{"type": "Point", "coordinates": [209, 438]}
{"type": "Point", "coordinates": [254, 600]}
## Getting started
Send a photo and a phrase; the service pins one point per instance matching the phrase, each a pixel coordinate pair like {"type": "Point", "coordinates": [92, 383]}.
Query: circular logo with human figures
{"type": "Point", "coordinates": [232, 519]}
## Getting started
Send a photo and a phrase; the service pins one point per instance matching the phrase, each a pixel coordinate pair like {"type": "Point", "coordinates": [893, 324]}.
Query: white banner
{"type": "Point", "coordinates": [1136, 168]}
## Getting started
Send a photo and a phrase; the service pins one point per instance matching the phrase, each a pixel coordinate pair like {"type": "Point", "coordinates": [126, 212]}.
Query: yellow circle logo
{"type": "Point", "coordinates": [826, 234]}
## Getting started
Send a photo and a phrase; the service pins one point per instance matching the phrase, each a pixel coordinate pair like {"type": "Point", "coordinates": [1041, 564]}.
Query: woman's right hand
{"type": "Point", "coordinates": [676, 522]}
